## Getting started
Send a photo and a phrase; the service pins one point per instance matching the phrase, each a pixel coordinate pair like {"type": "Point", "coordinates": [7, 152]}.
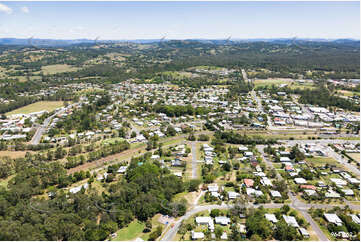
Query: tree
{"type": "Point", "coordinates": [194, 185]}
{"type": "Point", "coordinates": [285, 232]}
{"type": "Point", "coordinates": [148, 226]}
{"type": "Point", "coordinates": [215, 213]}
{"type": "Point", "coordinates": [218, 232]}
{"type": "Point", "coordinates": [154, 235]}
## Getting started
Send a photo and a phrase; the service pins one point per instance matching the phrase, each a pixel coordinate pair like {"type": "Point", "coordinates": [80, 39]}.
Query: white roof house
{"type": "Point", "coordinates": [353, 180]}
{"type": "Point", "coordinates": [233, 195]}
{"type": "Point", "coordinates": [213, 188]}
{"type": "Point", "coordinates": [266, 182]}
{"type": "Point", "coordinates": [291, 221]}
{"type": "Point", "coordinates": [300, 180]}
{"type": "Point", "coordinates": [197, 235]}
{"type": "Point", "coordinates": [332, 194]}
{"type": "Point", "coordinates": [310, 192]}
{"type": "Point", "coordinates": [348, 192]}
{"type": "Point", "coordinates": [215, 194]}
{"type": "Point", "coordinates": [222, 220]}
{"type": "Point", "coordinates": [271, 217]}
{"type": "Point", "coordinates": [204, 220]}
{"type": "Point", "coordinates": [250, 192]}
{"type": "Point", "coordinates": [155, 157]}
{"type": "Point", "coordinates": [355, 218]}
{"type": "Point", "coordinates": [122, 169]}
{"type": "Point", "coordinates": [333, 218]}
{"type": "Point", "coordinates": [285, 159]}
{"type": "Point", "coordinates": [339, 182]}
{"type": "Point", "coordinates": [78, 188]}
{"type": "Point", "coordinates": [275, 194]}
{"type": "Point", "coordinates": [242, 228]}
{"type": "Point", "coordinates": [178, 173]}
{"type": "Point", "coordinates": [242, 148]}
{"type": "Point", "coordinates": [304, 232]}
{"type": "Point", "coordinates": [248, 153]}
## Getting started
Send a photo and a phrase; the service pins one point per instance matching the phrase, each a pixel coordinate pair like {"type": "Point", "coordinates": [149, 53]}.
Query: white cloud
{"type": "Point", "coordinates": [5, 9]}
{"type": "Point", "coordinates": [24, 9]}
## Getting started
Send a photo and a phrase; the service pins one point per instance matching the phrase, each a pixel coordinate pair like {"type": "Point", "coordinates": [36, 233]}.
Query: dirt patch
{"type": "Point", "coordinates": [13, 154]}
{"type": "Point", "coordinates": [100, 162]}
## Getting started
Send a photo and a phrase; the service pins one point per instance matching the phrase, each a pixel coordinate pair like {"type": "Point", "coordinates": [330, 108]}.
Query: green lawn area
{"type": "Point", "coordinates": [132, 231]}
{"type": "Point", "coordinates": [37, 107]}
{"type": "Point", "coordinates": [320, 161]}
{"type": "Point", "coordinates": [135, 230]}
{"type": "Point", "coordinates": [171, 141]}
{"type": "Point", "coordinates": [112, 140]}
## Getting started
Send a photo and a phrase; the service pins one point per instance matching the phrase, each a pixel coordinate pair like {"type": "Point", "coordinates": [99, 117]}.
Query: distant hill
{"type": "Point", "coordinates": [60, 42]}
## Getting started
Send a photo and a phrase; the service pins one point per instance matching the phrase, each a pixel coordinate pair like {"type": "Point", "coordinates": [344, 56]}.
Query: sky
{"type": "Point", "coordinates": [179, 20]}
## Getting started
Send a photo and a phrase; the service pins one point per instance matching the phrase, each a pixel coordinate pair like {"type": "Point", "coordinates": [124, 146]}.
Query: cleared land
{"type": "Point", "coordinates": [13, 154]}
{"type": "Point", "coordinates": [37, 107]}
{"type": "Point", "coordinates": [320, 161]}
{"type": "Point", "coordinates": [59, 68]}
{"type": "Point", "coordinates": [355, 156]}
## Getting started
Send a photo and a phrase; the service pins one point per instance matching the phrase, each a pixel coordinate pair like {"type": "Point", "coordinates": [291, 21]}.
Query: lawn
{"type": "Point", "coordinates": [132, 231]}
{"type": "Point", "coordinates": [37, 107]}
{"type": "Point", "coordinates": [135, 230]}
{"type": "Point", "coordinates": [112, 140]}
{"type": "Point", "coordinates": [320, 161]}
{"type": "Point", "coordinates": [59, 68]}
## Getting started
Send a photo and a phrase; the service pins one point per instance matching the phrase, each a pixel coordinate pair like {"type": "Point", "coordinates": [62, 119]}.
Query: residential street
{"type": "Point", "coordinates": [194, 161]}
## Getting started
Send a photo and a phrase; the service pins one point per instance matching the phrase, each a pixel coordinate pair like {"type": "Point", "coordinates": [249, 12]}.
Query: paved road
{"type": "Point", "coordinates": [320, 141]}
{"type": "Point", "coordinates": [194, 161]}
{"type": "Point", "coordinates": [41, 129]}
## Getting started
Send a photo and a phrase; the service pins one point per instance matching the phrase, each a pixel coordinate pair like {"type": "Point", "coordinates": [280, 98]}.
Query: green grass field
{"type": "Point", "coordinates": [320, 161]}
{"type": "Point", "coordinates": [130, 232]}
{"type": "Point", "coordinates": [269, 82]}
{"type": "Point", "coordinates": [38, 106]}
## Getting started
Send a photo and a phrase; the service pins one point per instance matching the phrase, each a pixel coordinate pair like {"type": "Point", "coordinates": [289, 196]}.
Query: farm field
{"type": "Point", "coordinates": [59, 68]}
{"type": "Point", "coordinates": [37, 107]}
